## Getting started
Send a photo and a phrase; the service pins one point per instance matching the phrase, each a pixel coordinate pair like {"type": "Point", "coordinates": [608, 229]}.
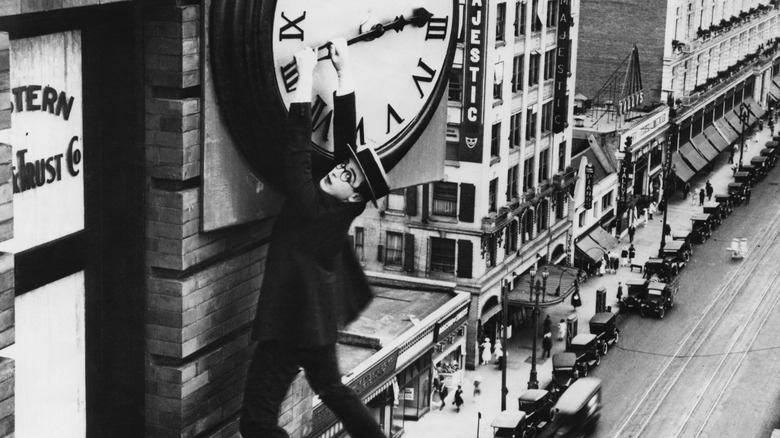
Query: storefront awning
{"type": "Point", "coordinates": [682, 170]}
{"type": "Point", "coordinates": [693, 157]}
{"type": "Point", "coordinates": [726, 130]}
{"type": "Point", "coordinates": [717, 140]}
{"type": "Point", "coordinates": [734, 122]}
{"type": "Point", "coordinates": [701, 144]}
{"type": "Point", "coordinates": [774, 90]}
{"type": "Point", "coordinates": [596, 243]}
{"type": "Point", "coordinates": [755, 108]}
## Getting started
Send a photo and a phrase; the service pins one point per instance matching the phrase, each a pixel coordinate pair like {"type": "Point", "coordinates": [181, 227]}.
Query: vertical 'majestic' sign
{"type": "Point", "coordinates": [470, 148]}
{"type": "Point", "coordinates": [562, 55]}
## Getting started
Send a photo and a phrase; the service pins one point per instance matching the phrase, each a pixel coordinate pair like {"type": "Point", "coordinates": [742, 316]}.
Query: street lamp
{"type": "Point", "coordinates": [533, 382]}
{"type": "Point", "coordinates": [505, 287]}
{"type": "Point", "coordinates": [743, 117]}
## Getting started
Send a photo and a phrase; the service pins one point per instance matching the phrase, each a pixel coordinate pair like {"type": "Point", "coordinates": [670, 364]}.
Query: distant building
{"type": "Point", "coordinates": [504, 204]}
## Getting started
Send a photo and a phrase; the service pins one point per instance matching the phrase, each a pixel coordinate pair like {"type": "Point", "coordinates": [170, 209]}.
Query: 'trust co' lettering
{"type": "Point", "coordinates": [30, 175]}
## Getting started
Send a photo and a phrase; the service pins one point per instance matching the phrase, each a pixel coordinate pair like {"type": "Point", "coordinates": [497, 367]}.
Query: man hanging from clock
{"type": "Point", "coordinates": [313, 283]}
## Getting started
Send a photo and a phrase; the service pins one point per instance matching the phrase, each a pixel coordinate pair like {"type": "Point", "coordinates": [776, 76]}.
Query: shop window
{"type": "Point", "coordinates": [394, 249]}
{"type": "Point", "coordinates": [442, 255]}
{"type": "Point", "coordinates": [445, 199]}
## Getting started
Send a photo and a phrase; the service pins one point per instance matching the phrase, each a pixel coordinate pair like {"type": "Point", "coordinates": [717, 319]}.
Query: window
{"type": "Point", "coordinates": [530, 124]}
{"type": "Point", "coordinates": [520, 19]}
{"type": "Point", "coordinates": [562, 156]}
{"type": "Point", "coordinates": [495, 140]}
{"type": "Point", "coordinates": [396, 200]}
{"type": "Point", "coordinates": [547, 116]}
{"type": "Point", "coordinates": [549, 64]}
{"type": "Point", "coordinates": [582, 218]}
{"type": "Point", "coordinates": [595, 208]}
{"type": "Point", "coordinates": [456, 85]}
{"type": "Point", "coordinates": [359, 243]}
{"type": "Point", "coordinates": [442, 255]}
{"type": "Point", "coordinates": [533, 70]}
{"type": "Point", "coordinates": [394, 249]}
{"type": "Point", "coordinates": [552, 13]}
{"type": "Point", "coordinates": [544, 164]}
{"type": "Point", "coordinates": [514, 129]}
{"type": "Point", "coordinates": [606, 201]}
{"type": "Point", "coordinates": [511, 182]}
{"type": "Point", "coordinates": [492, 195]}
{"type": "Point", "coordinates": [517, 74]}
{"type": "Point", "coordinates": [452, 153]}
{"type": "Point", "coordinates": [498, 81]}
{"type": "Point", "coordinates": [500, 21]}
{"type": "Point", "coordinates": [445, 199]}
{"type": "Point", "coordinates": [528, 173]}
{"type": "Point", "coordinates": [536, 22]}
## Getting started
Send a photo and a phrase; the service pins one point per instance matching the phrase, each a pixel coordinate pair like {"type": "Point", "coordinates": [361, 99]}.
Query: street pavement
{"type": "Point", "coordinates": [467, 423]}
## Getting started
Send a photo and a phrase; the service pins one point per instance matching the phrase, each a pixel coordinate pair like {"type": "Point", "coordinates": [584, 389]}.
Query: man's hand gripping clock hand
{"type": "Point", "coordinates": [306, 60]}
{"type": "Point", "coordinates": [338, 51]}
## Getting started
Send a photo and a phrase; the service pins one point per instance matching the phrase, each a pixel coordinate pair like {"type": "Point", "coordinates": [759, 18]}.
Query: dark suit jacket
{"type": "Point", "coordinates": [313, 283]}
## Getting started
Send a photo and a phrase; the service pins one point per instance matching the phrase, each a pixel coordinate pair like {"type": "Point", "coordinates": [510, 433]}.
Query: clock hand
{"type": "Point", "coordinates": [419, 18]}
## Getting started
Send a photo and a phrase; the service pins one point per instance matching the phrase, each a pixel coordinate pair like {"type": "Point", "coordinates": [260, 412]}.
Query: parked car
{"type": "Point", "coordinates": [510, 424]}
{"type": "Point", "coordinates": [726, 204]}
{"type": "Point", "coordinates": [701, 226]}
{"type": "Point", "coordinates": [587, 347]}
{"type": "Point", "coordinates": [770, 155]}
{"type": "Point", "coordinates": [737, 192]}
{"type": "Point", "coordinates": [604, 326]}
{"type": "Point", "coordinates": [536, 403]}
{"type": "Point", "coordinates": [751, 169]}
{"type": "Point", "coordinates": [636, 290]}
{"type": "Point", "coordinates": [660, 296]}
{"type": "Point", "coordinates": [761, 165]}
{"type": "Point", "coordinates": [564, 371]}
{"type": "Point", "coordinates": [577, 412]}
{"type": "Point", "coordinates": [677, 253]}
{"type": "Point", "coordinates": [659, 268]}
{"type": "Point", "coordinates": [713, 208]}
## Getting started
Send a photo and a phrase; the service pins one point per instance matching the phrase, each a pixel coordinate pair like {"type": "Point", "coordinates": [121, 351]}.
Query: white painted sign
{"type": "Point", "coordinates": [46, 137]}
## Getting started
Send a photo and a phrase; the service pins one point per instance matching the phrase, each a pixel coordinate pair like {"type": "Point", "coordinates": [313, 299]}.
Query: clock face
{"type": "Point", "coordinates": [396, 75]}
{"type": "Point", "coordinates": [400, 75]}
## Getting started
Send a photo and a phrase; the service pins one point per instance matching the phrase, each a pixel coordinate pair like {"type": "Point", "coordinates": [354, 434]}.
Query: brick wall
{"type": "Point", "coordinates": [202, 288]}
{"type": "Point", "coordinates": [7, 326]}
{"type": "Point", "coordinates": [15, 7]}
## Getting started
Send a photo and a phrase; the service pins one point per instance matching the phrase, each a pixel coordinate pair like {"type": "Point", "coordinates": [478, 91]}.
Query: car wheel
{"type": "Point", "coordinates": [617, 337]}
{"type": "Point", "coordinates": [686, 256]}
{"type": "Point", "coordinates": [598, 359]}
{"type": "Point", "coordinates": [529, 433]}
{"type": "Point", "coordinates": [642, 311]}
{"type": "Point", "coordinates": [671, 302]}
{"type": "Point", "coordinates": [661, 313]}
{"type": "Point", "coordinates": [604, 349]}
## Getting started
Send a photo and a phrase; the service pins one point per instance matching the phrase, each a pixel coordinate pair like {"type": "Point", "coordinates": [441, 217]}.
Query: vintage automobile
{"type": "Point", "coordinates": [726, 205]}
{"type": "Point", "coordinates": [684, 236]}
{"type": "Point", "coordinates": [701, 226]}
{"type": "Point", "coordinates": [587, 347]}
{"type": "Point", "coordinates": [771, 156]}
{"type": "Point", "coordinates": [536, 404]}
{"type": "Point", "coordinates": [761, 165]}
{"type": "Point", "coordinates": [564, 371]}
{"type": "Point", "coordinates": [636, 289]}
{"type": "Point", "coordinates": [737, 192]}
{"type": "Point", "coordinates": [604, 326]}
{"type": "Point", "coordinates": [660, 296]}
{"type": "Point", "coordinates": [577, 412]}
{"type": "Point", "coordinates": [677, 252]}
{"type": "Point", "coordinates": [511, 424]}
{"type": "Point", "coordinates": [713, 208]}
{"type": "Point", "coordinates": [659, 268]}
{"type": "Point", "coordinates": [745, 177]}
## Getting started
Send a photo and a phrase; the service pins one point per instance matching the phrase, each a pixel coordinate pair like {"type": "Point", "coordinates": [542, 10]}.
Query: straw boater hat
{"type": "Point", "coordinates": [372, 168]}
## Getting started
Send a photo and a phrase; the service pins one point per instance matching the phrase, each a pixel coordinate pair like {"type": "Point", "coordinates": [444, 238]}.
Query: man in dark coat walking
{"type": "Point", "coordinates": [701, 197]}
{"type": "Point", "coordinates": [709, 189]}
{"type": "Point", "coordinates": [631, 232]}
{"type": "Point", "coordinates": [313, 282]}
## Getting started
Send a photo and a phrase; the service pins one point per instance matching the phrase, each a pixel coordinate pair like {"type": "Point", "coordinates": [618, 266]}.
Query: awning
{"type": "Point", "coordinates": [733, 118]}
{"type": "Point", "coordinates": [693, 157]}
{"type": "Point", "coordinates": [701, 144]}
{"type": "Point", "coordinates": [597, 243]}
{"type": "Point", "coordinates": [726, 130]}
{"type": "Point", "coordinates": [682, 170]}
{"type": "Point", "coordinates": [775, 90]}
{"type": "Point", "coordinates": [561, 280]}
{"type": "Point", "coordinates": [755, 108]}
{"type": "Point", "coordinates": [716, 139]}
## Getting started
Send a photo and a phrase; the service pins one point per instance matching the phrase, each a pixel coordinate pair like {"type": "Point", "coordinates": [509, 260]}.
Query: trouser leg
{"type": "Point", "coordinates": [322, 371]}
{"type": "Point", "coordinates": [271, 372]}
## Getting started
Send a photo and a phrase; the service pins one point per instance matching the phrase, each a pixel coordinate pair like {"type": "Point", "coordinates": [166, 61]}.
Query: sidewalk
{"type": "Point", "coordinates": [465, 424]}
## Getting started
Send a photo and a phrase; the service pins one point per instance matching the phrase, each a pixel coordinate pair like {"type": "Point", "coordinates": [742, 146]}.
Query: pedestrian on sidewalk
{"type": "Point", "coordinates": [576, 301]}
{"type": "Point", "coordinates": [667, 230]}
{"type": "Point", "coordinates": [562, 330]}
{"type": "Point", "coordinates": [602, 268]}
{"type": "Point", "coordinates": [477, 389]}
{"type": "Point", "coordinates": [651, 209]}
{"type": "Point", "coordinates": [760, 125]}
{"type": "Point", "coordinates": [733, 169]}
{"type": "Point", "coordinates": [709, 189]}
{"type": "Point", "coordinates": [619, 291]}
{"type": "Point", "coordinates": [487, 351]}
{"type": "Point", "coordinates": [443, 391]}
{"type": "Point", "coordinates": [547, 324]}
{"type": "Point", "coordinates": [686, 190]}
{"type": "Point", "coordinates": [631, 231]}
{"type": "Point", "coordinates": [624, 257]}
{"type": "Point", "coordinates": [546, 344]}
{"type": "Point", "coordinates": [498, 354]}
{"type": "Point", "coordinates": [458, 402]}
{"type": "Point", "coordinates": [701, 197]}
{"type": "Point", "coordinates": [631, 254]}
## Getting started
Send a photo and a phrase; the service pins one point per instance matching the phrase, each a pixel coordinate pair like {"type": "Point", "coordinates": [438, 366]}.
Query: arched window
{"type": "Point", "coordinates": [542, 214]}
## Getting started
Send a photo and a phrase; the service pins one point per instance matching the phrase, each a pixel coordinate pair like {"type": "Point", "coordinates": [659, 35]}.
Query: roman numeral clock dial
{"type": "Point", "coordinates": [401, 54]}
